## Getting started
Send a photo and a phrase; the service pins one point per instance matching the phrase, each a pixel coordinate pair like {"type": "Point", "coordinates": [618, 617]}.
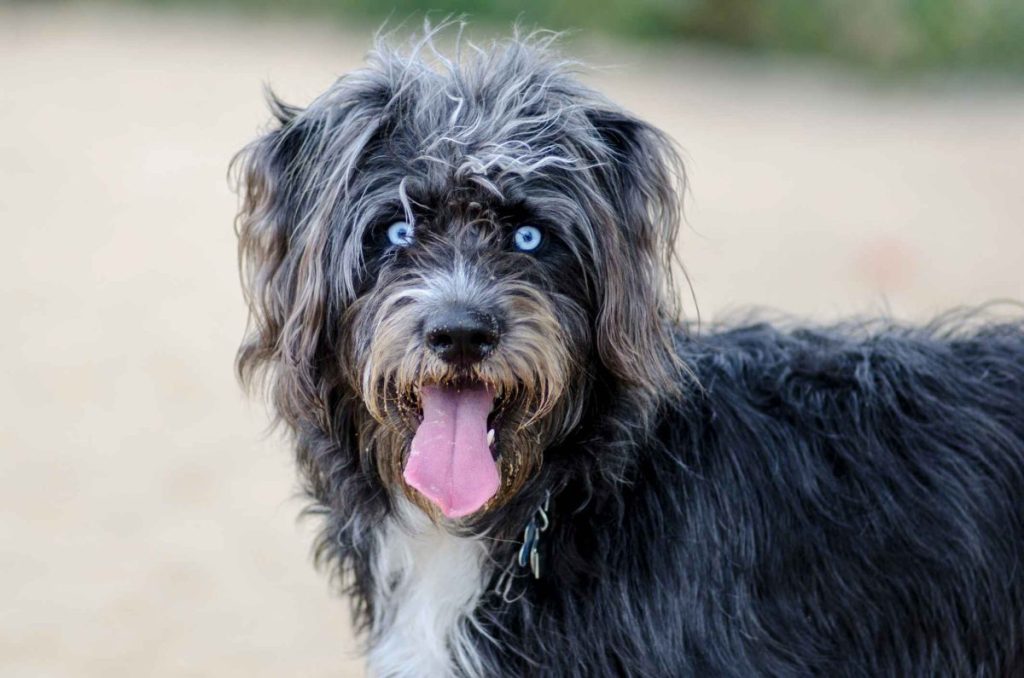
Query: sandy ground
{"type": "Point", "coordinates": [148, 527]}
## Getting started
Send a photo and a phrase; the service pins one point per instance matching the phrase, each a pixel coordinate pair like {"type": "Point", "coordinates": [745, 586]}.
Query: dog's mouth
{"type": "Point", "coordinates": [452, 457]}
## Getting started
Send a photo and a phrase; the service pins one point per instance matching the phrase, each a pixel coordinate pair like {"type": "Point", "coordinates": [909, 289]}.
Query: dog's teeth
{"type": "Point", "coordinates": [490, 437]}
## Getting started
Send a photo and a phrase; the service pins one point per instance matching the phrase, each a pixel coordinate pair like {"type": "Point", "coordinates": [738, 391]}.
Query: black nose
{"type": "Point", "coordinates": [461, 336]}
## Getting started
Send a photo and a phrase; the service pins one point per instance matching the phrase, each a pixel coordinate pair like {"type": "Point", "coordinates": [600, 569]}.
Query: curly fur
{"type": "Point", "coordinates": [744, 501]}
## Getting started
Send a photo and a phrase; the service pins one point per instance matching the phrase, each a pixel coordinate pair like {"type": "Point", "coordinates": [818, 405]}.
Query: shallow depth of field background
{"type": "Point", "coordinates": [845, 157]}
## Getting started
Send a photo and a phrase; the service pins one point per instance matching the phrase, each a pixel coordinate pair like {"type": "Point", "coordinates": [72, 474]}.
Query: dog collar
{"type": "Point", "coordinates": [528, 554]}
{"type": "Point", "coordinates": [539, 523]}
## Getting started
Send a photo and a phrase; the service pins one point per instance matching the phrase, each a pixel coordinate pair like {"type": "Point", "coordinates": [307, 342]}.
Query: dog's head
{"type": "Point", "coordinates": [446, 258]}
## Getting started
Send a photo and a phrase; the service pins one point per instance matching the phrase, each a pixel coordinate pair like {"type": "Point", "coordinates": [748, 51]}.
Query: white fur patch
{"type": "Point", "coordinates": [428, 584]}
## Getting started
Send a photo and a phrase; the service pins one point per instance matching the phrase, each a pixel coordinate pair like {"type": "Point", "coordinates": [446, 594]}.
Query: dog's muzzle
{"type": "Point", "coordinates": [451, 461]}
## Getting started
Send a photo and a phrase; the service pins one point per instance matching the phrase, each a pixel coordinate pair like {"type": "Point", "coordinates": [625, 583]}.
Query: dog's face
{"type": "Point", "coordinates": [442, 262]}
{"type": "Point", "coordinates": [465, 339]}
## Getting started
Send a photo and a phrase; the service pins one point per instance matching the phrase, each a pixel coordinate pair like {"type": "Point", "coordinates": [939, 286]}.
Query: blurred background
{"type": "Point", "coordinates": [846, 157]}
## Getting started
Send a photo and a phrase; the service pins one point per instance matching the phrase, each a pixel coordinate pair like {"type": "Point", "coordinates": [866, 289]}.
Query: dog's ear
{"type": "Point", "coordinates": [291, 183]}
{"type": "Point", "coordinates": [269, 221]}
{"type": "Point", "coordinates": [643, 181]}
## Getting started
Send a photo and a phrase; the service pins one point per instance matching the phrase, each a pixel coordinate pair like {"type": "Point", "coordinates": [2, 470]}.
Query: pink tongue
{"type": "Point", "coordinates": [450, 461]}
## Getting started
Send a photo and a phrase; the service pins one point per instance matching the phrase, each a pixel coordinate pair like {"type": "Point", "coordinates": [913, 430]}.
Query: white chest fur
{"type": "Point", "coordinates": [428, 584]}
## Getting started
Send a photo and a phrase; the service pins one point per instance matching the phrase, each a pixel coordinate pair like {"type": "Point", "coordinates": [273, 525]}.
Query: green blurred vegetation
{"type": "Point", "coordinates": [887, 35]}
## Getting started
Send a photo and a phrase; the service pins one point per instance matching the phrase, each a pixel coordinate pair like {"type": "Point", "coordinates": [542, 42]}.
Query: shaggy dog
{"type": "Point", "coordinates": [458, 271]}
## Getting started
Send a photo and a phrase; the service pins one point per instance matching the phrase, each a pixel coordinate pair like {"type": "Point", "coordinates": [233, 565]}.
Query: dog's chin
{"type": "Point", "coordinates": [462, 440]}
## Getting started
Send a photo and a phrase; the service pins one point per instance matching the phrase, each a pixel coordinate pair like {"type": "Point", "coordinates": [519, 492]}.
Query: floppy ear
{"type": "Point", "coordinates": [643, 180]}
{"type": "Point", "coordinates": [292, 229]}
{"type": "Point", "coordinates": [293, 183]}
{"type": "Point", "coordinates": [279, 268]}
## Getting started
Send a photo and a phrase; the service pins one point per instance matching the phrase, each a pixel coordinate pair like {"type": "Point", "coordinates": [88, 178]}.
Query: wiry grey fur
{"type": "Point", "coordinates": [755, 501]}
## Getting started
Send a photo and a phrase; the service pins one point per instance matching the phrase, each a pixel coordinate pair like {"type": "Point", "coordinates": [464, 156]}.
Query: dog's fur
{"type": "Point", "coordinates": [747, 501]}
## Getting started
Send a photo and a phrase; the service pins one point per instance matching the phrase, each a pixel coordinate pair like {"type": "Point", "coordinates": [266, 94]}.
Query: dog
{"type": "Point", "coordinates": [459, 274]}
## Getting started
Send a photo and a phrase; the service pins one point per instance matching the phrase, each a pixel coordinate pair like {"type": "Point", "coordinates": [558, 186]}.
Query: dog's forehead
{"type": "Point", "coordinates": [513, 132]}
{"type": "Point", "coordinates": [481, 171]}
{"type": "Point", "coordinates": [460, 136]}
{"type": "Point", "coordinates": [456, 200]}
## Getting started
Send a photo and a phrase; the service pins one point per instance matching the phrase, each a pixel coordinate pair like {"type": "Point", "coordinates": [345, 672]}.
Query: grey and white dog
{"type": "Point", "coordinates": [458, 271]}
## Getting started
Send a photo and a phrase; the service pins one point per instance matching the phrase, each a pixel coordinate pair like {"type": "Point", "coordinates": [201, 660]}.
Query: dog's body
{"type": "Point", "coordinates": [823, 506]}
{"type": "Point", "coordinates": [526, 466]}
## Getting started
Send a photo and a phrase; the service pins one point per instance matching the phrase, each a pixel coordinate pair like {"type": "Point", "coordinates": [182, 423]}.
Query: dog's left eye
{"type": "Point", "coordinates": [527, 238]}
{"type": "Point", "coordinates": [400, 234]}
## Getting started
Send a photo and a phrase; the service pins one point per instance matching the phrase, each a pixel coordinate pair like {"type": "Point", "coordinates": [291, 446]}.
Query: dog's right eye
{"type": "Point", "coordinates": [400, 234]}
{"type": "Point", "coordinates": [527, 238]}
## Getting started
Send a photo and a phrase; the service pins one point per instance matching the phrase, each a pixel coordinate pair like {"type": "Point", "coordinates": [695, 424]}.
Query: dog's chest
{"type": "Point", "coordinates": [428, 583]}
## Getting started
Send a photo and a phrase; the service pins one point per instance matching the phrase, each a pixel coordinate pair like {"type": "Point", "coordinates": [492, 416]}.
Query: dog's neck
{"type": "Point", "coordinates": [428, 583]}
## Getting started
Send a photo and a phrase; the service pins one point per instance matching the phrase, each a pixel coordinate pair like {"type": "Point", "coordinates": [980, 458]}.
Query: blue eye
{"type": "Point", "coordinates": [400, 234]}
{"type": "Point", "coordinates": [527, 238]}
